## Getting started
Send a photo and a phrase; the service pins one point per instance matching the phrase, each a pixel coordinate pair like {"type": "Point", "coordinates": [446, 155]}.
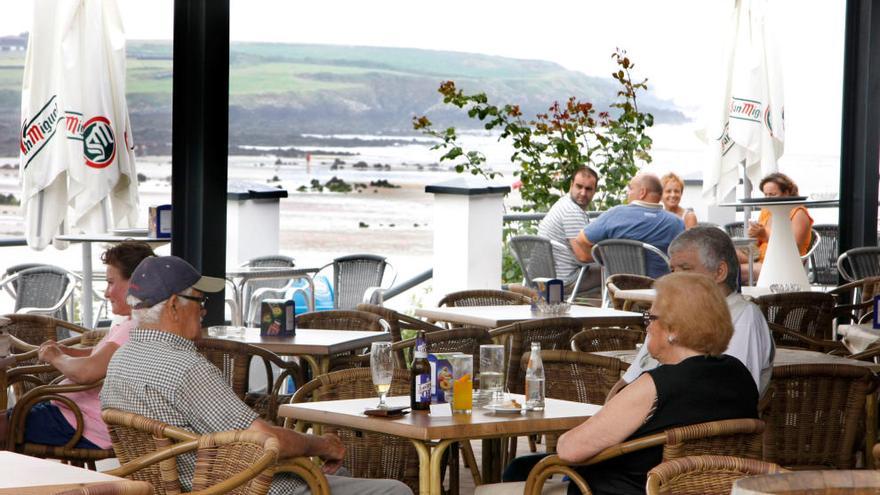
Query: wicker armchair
{"type": "Point", "coordinates": [815, 415]}
{"type": "Point", "coordinates": [482, 298]}
{"type": "Point", "coordinates": [704, 474]}
{"type": "Point", "coordinates": [368, 455]}
{"type": "Point", "coordinates": [625, 281]}
{"type": "Point", "coordinates": [239, 462]}
{"type": "Point", "coordinates": [339, 319]}
{"type": "Point", "coordinates": [801, 319]}
{"type": "Point", "coordinates": [855, 300]}
{"type": "Point", "coordinates": [399, 324]}
{"type": "Point", "coordinates": [36, 329]}
{"type": "Point", "coordinates": [737, 437]}
{"type": "Point", "coordinates": [551, 333]}
{"type": "Point", "coordinates": [859, 263]}
{"type": "Point", "coordinates": [600, 338]}
{"type": "Point", "coordinates": [578, 376]}
{"type": "Point", "coordinates": [233, 359]}
{"type": "Point", "coordinates": [124, 487]}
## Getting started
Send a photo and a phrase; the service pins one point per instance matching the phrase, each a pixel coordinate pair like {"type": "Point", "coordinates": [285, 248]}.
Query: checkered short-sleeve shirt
{"type": "Point", "coordinates": [162, 376]}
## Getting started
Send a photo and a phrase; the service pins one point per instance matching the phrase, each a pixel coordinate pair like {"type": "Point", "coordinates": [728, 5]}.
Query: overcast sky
{"type": "Point", "coordinates": [676, 43]}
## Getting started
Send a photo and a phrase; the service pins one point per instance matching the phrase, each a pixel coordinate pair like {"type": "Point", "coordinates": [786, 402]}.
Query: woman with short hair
{"type": "Point", "coordinates": [689, 327]}
{"type": "Point", "coordinates": [673, 188]}
{"type": "Point", "coordinates": [54, 423]}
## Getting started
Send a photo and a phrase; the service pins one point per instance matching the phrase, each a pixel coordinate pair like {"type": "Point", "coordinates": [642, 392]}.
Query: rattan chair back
{"type": "Point", "coordinates": [534, 255]}
{"type": "Point", "coordinates": [353, 275]}
{"type": "Point", "coordinates": [855, 300]}
{"type": "Point", "coordinates": [823, 259]}
{"type": "Point", "coordinates": [551, 333]}
{"type": "Point", "coordinates": [578, 376]}
{"type": "Point", "coordinates": [735, 229]}
{"type": "Point", "coordinates": [134, 436]}
{"type": "Point", "coordinates": [607, 338]}
{"type": "Point", "coordinates": [483, 297]}
{"type": "Point", "coordinates": [737, 437]}
{"type": "Point", "coordinates": [368, 455]}
{"type": "Point", "coordinates": [808, 313]}
{"type": "Point", "coordinates": [859, 263]}
{"type": "Point", "coordinates": [234, 359]}
{"type": "Point", "coordinates": [339, 319]}
{"type": "Point", "coordinates": [815, 414]}
{"type": "Point", "coordinates": [462, 340]}
{"type": "Point", "coordinates": [704, 474]}
{"type": "Point", "coordinates": [123, 487]}
{"type": "Point", "coordinates": [625, 281]}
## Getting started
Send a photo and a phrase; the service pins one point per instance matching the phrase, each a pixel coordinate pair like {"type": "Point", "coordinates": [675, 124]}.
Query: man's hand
{"type": "Point", "coordinates": [334, 452]}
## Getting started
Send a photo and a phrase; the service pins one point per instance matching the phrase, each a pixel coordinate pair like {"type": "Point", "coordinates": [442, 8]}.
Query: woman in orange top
{"type": "Point", "coordinates": [778, 185]}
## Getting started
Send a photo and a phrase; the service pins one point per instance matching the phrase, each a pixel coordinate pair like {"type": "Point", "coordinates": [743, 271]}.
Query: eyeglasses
{"type": "Point", "coordinates": [201, 300]}
{"type": "Point", "coordinates": [648, 317]}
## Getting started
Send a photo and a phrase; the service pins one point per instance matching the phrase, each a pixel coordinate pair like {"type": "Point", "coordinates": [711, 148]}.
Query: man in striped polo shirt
{"type": "Point", "coordinates": [565, 220]}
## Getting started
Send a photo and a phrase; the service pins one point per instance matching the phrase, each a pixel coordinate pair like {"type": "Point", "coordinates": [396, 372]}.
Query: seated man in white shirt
{"type": "Point", "coordinates": [709, 250]}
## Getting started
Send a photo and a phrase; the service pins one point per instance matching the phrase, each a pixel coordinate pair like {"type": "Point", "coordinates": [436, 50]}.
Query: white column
{"type": "Point", "coordinates": [467, 234]}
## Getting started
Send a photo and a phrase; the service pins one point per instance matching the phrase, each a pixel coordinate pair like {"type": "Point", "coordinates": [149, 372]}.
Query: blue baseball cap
{"type": "Point", "coordinates": [157, 278]}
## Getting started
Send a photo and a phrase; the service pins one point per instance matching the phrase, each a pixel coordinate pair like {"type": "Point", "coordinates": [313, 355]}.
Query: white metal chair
{"type": "Point", "coordinates": [624, 256]}
{"type": "Point", "coordinates": [40, 289]}
{"type": "Point", "coordinates": [535, 257]}
{"type": "Point", "coordinates": [358, 279]}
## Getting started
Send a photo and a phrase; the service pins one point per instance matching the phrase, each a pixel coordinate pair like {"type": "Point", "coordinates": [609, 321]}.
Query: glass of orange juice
{"type": "Point", "coordinates": [462, 383]}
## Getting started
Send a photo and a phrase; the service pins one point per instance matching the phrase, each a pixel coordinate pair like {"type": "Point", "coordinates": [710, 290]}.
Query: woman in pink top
{"type": "Point", "coordinates": [53, 423]}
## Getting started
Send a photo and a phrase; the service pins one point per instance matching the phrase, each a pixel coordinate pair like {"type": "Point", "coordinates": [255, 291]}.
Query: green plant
{"type": "Point", "coordinates": [552, 146]}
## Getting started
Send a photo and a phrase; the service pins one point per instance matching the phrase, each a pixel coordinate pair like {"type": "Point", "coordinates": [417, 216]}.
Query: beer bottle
{"type": "Point", "coordinates": [420, 384]}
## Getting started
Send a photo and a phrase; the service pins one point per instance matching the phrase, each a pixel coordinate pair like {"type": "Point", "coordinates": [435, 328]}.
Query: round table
{"type": "Point", "coordinates": [837, 482]}
{"type": "Point", "coordinates": [782, 260]}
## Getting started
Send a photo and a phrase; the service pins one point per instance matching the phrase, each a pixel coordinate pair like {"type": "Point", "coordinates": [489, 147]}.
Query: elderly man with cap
{"type": "Point", "coordinates": [160, 374]}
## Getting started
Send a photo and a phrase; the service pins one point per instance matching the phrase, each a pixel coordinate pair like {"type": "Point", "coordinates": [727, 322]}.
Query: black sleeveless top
{"type": "Point", "coordinates": [696, 390]}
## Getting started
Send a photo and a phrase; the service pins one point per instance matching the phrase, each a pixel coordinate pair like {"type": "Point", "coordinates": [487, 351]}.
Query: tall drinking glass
{"type": "Point", "coordinates": [462, 383]}
{"type": "Point", "coordinates": [492, 372]}
{"type": "Point", "coordinates": [382, 368]}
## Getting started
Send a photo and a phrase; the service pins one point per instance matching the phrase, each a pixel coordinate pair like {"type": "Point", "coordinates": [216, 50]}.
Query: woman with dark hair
{"type": "Point", "coordinates": [54, 423]}
{"type": "Point", "coordinates": [777, 185]}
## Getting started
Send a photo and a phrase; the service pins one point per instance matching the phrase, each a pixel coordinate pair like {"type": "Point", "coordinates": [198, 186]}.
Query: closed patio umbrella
{"type": "Point", "coordinates": [77, 158]}
{"type": "Point", "coordinates": [746, 125]}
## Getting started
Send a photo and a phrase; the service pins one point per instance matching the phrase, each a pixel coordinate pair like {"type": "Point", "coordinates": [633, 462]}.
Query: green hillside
{"type": "Point", "coordinates": [278, 91]}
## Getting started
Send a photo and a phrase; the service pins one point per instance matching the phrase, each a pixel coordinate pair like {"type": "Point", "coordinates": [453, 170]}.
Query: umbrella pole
{"type": "Point", "coordinates": [747, 213]}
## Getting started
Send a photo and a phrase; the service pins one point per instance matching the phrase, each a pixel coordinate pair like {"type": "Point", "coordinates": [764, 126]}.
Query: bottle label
{"type": "Point", "coordinates": [423, 387]}
{"type": "Point", "coordinates": [421, 349]}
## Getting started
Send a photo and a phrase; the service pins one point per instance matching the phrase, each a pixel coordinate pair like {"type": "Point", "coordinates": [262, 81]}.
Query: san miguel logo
{"type": "Point", "coordinates": [99, 144]}
{"type": "Point", "coordinates": [96, 134]}
{"type": "Point", "coordinates": [743, 109]}
{"type": "Point", "coordinates": [37, 132]}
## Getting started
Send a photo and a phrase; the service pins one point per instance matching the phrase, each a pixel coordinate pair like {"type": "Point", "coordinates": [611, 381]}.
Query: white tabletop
{"type": "Point", "coordinates": [110, 238]}
{"type": "Point", "coordinates": [648, 295]}
{"type": "Point", "coordinates": [20, 471]}
{"type": "Point", "coordinates": [496, 316]}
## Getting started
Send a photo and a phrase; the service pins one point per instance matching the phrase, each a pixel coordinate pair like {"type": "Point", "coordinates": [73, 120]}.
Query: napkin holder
{"type": "Point", "coordinates": [159, 223]}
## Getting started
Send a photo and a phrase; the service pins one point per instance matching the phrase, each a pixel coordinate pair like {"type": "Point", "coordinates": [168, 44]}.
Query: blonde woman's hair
{"type": "Point", "coordinates": [694, 309]}
{"type": "Point", "coordinates": [671, 177]}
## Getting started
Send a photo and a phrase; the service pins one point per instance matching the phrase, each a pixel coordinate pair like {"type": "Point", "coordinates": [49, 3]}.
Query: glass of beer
{"type": "Point", "coordinates": [462, 383]}
{"type": "Point", "coordinates": [382, 368]}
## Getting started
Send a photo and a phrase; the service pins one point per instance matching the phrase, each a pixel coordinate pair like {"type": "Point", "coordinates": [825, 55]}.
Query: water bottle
{"type": "Point", "coordinates": [535, 380]}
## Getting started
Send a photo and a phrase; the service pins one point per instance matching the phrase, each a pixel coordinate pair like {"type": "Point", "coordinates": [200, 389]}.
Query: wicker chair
{"type": "Point", "coordinates": [855, 300]}
{"type": "Point", "coordinates": [401, 326]}
{"type": "Point", "coordinates": [704, 474]}
{"type": "Point", "coordinates": [40, 289]}
{"type": "Point", "coordinates": [339, 319]}
{"type": "Point", "coordinates": [602, 338]}
{"type": "Point", "coordinates": [737, 437]}
{"type": "Point", "coordinates": [551, 333]}
{"type": "Point", "coordinates": [233, 359]}
{"type": "Point", "coordinates": [858, 263]}
{"type": "Point", "coordinates": [482, 297]}
{"type": "Point", "coordinates": [823, 260]}
{"type": "Point", "coordinates": [801, 319]}
{"type": "Point", "coordinates": [735, 229]}
{"type": "Point", "coordinates": [124, 487]}
{"type": "Point", "coordinates": [147, 450]}
{"type": "Point", "coordinates": [578, 376]}
{"type": "Point", "coordinates": [815, 414]}
{"type": "Point", "coordinates": [368, 455]}
{"type": "Point", "coordinates": [625, 281]}
{"type": "Point", "coordinates": [354, 276]}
